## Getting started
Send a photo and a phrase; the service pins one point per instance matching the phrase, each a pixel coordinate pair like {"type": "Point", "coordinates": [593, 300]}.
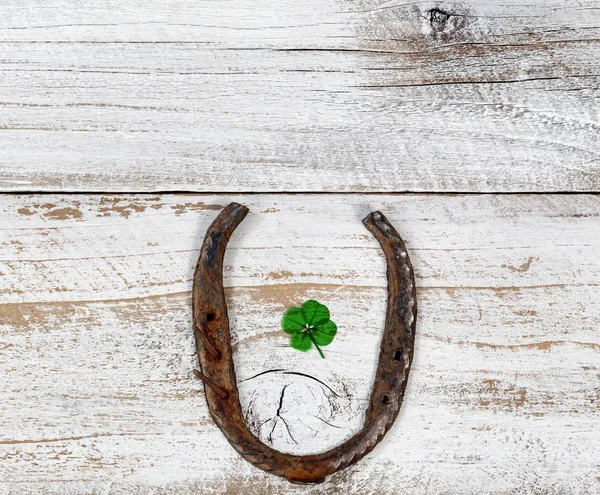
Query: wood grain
{"type": "Point", "coordinates": [331, 95]}
{"type": "Point", "coordinates": [96, 347]}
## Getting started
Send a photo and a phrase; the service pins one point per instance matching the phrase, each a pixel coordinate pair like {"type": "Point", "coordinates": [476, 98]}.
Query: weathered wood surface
{"type": "Point", "coordinates": [96, 348]}
{"type": "Point", "coordinates": [324, 95]}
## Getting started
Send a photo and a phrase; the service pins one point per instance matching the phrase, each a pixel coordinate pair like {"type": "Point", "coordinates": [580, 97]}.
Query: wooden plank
{"type": "Point", "coordinates": [328, 95]}
{"type": "Point", "coordinates": [96, 349]}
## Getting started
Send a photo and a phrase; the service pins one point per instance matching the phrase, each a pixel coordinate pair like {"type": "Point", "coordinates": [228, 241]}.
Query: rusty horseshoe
{"type": "Point", "coordinates": [213, 344]}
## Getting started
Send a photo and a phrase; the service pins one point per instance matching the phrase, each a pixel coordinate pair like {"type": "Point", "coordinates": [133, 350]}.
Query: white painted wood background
{"type": "Point", "coordinates": [326, 96]}
{"type": "Point", "coordinates": [97, 352]}
{"type": "Point", "coordinates": [321, 95]}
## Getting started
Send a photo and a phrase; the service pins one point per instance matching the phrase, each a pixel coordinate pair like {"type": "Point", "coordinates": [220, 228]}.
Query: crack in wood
{"type": "Point", "coordinates": [297, 373]}
{"type": "Point", "coordinates": [279, 416]}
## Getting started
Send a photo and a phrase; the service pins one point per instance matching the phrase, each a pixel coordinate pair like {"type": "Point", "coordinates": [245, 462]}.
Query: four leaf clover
{"type": "Point", "coordinates": [308, 325]}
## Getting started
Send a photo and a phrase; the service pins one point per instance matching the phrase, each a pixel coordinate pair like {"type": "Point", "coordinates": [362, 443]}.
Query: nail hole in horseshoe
{"type": "Point", "coordinates": [385, 399]}
{"type": "Point", "coordinates": [210, 316]}
{"type": "Point", "coordinates": [397, 355]}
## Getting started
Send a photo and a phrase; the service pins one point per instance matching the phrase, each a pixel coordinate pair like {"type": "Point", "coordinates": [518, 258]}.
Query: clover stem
{"type": "Point", "coordinates": [316, 345]}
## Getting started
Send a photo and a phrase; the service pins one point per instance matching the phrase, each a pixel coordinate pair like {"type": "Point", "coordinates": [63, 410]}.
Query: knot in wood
{"type": "Point", "coordinates": [438, 19]}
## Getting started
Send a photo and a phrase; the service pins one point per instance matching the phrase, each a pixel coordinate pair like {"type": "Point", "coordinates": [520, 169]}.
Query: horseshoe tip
{"type": "Point", "coordinates": [373, 217]}
{"type": "Point", "coordinates": [238, 207]}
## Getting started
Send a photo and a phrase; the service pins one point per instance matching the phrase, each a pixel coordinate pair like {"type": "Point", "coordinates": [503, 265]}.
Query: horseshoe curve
{"type": "Point", "coordinates": [213, 345]}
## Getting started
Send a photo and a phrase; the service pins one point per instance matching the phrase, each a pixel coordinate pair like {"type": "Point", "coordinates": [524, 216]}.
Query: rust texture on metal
{"type": "Point", "coordinates": [213, 344]}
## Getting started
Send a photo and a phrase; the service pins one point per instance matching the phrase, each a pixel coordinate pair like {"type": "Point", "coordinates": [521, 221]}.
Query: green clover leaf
{"type": "Point", "coordinates": [308, 325]}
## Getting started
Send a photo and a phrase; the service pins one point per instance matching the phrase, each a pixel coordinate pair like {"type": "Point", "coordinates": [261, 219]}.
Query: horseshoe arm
{"type": "Point", "coordinates": [213, 345]}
